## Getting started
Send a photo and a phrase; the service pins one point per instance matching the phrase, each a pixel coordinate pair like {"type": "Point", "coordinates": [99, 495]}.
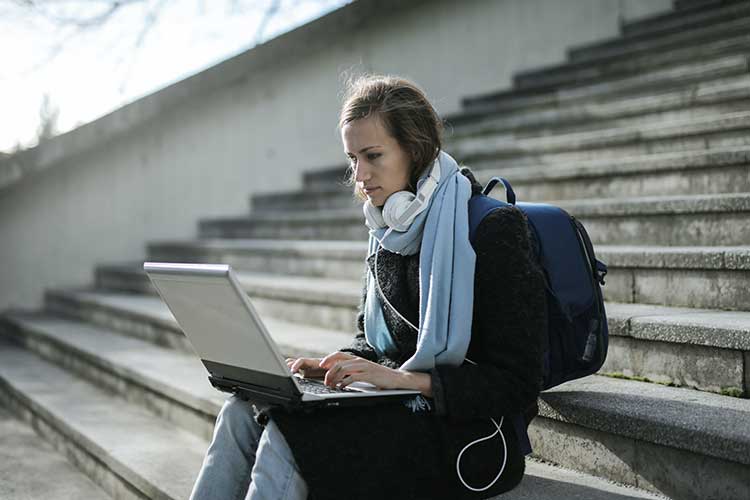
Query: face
{"type": "Point", "coordinates": [378, 160]}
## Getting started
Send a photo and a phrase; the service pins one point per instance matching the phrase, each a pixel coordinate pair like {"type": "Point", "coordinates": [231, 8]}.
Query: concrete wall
{"type": "Point", "coordinates": [252, 123]}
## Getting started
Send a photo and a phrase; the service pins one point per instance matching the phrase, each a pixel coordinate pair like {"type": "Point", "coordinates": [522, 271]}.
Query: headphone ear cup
{"type": "Point", "coordinates": [373, 216]}
{"type": "Point", "coordinates": [394, 208]}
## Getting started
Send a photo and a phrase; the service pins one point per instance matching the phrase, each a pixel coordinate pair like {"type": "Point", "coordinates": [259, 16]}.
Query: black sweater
{"type": "Point", "coordinates": [387, 450]}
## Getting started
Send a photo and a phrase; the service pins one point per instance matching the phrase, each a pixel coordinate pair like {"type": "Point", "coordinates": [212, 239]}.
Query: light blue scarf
{"type": "Point", "coordinates": [446, 274]}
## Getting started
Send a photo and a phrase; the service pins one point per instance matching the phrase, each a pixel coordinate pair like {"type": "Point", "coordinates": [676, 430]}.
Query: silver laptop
{"type": "Point", "coordinates": [235, 346]}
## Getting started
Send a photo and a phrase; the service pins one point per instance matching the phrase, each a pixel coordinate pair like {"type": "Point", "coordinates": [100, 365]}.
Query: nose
{"type": "Point", "coordinates": [361, 173]}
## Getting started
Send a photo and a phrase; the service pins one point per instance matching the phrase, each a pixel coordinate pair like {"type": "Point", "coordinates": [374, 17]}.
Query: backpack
{"type": "Point", "coordinates": [577, 333]}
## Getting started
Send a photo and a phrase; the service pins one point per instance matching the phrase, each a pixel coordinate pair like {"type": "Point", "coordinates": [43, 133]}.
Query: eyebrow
{"type": "Point", "coordinates": [365, 149]}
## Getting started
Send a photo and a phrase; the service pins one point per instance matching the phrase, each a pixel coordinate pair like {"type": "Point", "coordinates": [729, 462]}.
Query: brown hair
{"type": "Point", "coordinates": [406, 114]}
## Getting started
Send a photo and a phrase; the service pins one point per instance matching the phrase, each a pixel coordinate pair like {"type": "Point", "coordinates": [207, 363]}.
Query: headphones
{"type": "Point", "coordinates": [402, 207]}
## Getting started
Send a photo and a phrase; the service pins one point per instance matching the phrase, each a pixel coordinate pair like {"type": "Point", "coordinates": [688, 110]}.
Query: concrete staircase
{"type": "Point", "coordinates": [645, 138]}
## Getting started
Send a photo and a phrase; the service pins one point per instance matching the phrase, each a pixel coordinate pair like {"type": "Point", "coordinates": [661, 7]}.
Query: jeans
{"type": "Point", "coordinates": [246, 461]}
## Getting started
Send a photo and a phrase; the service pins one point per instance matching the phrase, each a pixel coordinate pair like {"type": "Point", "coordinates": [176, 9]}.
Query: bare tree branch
{"type": "Point", "coordinates": [76, 25]}
{"type": "Point", "coordinates": [267, 16]}
{"type": "Point", "coordinates": [151, 18]}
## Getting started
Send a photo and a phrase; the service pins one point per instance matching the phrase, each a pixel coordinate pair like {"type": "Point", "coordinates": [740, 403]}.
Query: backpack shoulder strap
{"type": "Point", "coordinates": [479, 206]}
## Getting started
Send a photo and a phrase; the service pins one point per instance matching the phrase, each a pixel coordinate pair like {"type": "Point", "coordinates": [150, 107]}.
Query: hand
{"type": "Point", "coordinates": [343, 369]}
{"type": "Point", "coordinates": [311, 367]}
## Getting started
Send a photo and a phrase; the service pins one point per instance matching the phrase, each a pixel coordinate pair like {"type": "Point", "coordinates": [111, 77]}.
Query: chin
{"type": "Point", "coordinates": [375, 201]}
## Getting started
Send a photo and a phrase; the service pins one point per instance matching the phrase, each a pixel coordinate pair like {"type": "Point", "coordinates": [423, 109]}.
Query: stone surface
{"type": "Point", "coordinates": [639, 106]}
{"type": "Point", "coordinates": [725, 334]}
{"type": "Point", "coordinates": [585, 450]}
{"type": "Point", "coordinates": [544, 480]}
{"type": "Point", "coordinates": [685, 419]}
{"type": "Point", "coordinates": [620, 47]}
{"type": "Point", "coordinates": [125, 447]}
{"type": "Point", "coordinates": [686, 475]}
{"type": "Point", "coordinates": [664, 470]}
{"type": "Point", "coordinates": [704, 368]}
{"type": "Point", "coordinates": [31, 469]}
{"type": "Point", "coordinates": [723, 329]}
{"type": "Point", "coordinates": [570, 73]}
{"type": "Point", "coordinates": [148, 318]}
{"type": "Point", "coordinates": [170, 383]}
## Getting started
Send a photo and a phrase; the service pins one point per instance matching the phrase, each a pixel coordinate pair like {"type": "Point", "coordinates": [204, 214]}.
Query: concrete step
{"type": "Point", "coordinates": [624, 47]}
{"type": "Point", "coordinates": [685, 141]}
{"type": "Point", "coordinates": [682, 443]}
{"type": "Point", "coordinates": [659, 78]}
{"type": "Point", "coordinates": [172, 384]}
{"type": "Point", "coordinates": [723, 131]}
{"type": "Point", "coordinates": [680, 173]}
{"type": "Point", "coordinates": [31, 468]}
{"type": "Point", "coordinates": [126, 450]}
{"type": "Point", "coordinates": [683, 5]}
{"type": "Point", "coordinates": [716, 219]}
{"type": "Point", "coordinates": [335, 224]}
{"type": "Point", "coordinates": [322, 197]}
{"type": "Point", "coordinates": [296, 257]}
{"type": "Point", "coordinates": [543, 481]}
{"type": "Point", "coordinates": [146, 317]}
{"type": "Point", "coordinates": [668, 345]}
{"type": "Point", "coordinates": [649, 273]}
{"type": "Point", "coordinates": [591, 421]}
{"type": "Point", "coordinates": [313, 179]}
{"type": "Point", "coordinates": [572, 73]}
{"type": "Point", "coordinates": [656, 28]}
{"type": "Point", "coordinates": [697, 16]}
{"type": "Point", "coordinates": [703, 100]}
{"type": "Point", "coordinates": [661, 174]}
{"type": "Point", "coordinates": [706, 277]}
{"type": "Point", "coordinates": [706, 98]}
{"type": "Point", "coordinates": [546, 481]}
{"type": "Point", "coordinates": [713, 219]}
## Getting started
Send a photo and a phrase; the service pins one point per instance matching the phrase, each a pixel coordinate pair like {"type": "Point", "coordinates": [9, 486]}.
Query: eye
{"type": "Point", "coordinates": [372, 156]}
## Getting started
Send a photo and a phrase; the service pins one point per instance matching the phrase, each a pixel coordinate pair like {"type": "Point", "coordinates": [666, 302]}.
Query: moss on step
{"type": "Point", "coordinates": [734, 392]}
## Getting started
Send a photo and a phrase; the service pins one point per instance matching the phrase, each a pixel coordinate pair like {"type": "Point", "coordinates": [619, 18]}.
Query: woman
{"type": "Point", "coordinates": [462, 323]}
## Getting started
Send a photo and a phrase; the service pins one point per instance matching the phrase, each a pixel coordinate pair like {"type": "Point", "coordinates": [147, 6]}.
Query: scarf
{"type": "Point", "coordinates": [446, 274]}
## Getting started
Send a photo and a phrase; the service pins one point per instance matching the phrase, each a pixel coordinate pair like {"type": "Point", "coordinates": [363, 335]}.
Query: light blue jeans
{"type": "Point", "coordinates": [246, 461]}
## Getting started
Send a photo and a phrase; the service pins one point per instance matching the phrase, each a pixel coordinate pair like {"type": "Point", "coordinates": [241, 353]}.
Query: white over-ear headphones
{"type": "Point", "coordinates": [402, 207]}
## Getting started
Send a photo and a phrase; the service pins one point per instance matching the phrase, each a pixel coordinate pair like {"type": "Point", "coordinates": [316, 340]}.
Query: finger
{"type": "Point", "coordinates": [341, 369]}
{"type": "Point", "coordinates": [352, 377]}
{"type": "Point", "coordinates": [299, 364]}
{"type": "Point", "coordinates": [329, 360]}
{"type": "Point", "coordinates": [333, 375]}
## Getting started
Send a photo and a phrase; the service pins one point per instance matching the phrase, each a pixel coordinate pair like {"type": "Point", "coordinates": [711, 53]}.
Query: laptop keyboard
{"type": "Point", "coordinates": [317, 387]}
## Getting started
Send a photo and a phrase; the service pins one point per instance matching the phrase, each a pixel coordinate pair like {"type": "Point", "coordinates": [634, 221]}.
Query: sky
{"type": "Point", "coordinates": [102, 69]}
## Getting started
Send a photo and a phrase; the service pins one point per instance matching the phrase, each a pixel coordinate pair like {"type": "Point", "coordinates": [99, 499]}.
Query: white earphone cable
{"type": "Point", "coordinates": [497, 426]}
{"type": "Point", "coordinates": [505, 456]}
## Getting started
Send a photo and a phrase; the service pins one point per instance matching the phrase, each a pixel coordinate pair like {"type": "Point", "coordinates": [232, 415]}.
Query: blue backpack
{"type": "Point", "coordinates": [577, 332]}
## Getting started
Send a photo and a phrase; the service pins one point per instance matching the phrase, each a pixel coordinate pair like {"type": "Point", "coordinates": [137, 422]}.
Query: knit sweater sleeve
{"type": "Point", "coordinates": [509, 322]}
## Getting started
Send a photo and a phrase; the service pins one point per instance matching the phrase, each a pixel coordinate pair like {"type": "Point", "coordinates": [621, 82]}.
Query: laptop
{"type": "Point", "coordinates": [235, 346]}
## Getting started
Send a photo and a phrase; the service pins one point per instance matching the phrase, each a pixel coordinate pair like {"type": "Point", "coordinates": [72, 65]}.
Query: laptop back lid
{"type": "Point", "coordinates": [217, 317]}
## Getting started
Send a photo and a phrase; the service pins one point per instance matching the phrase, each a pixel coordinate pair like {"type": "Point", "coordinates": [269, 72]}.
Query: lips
{"type": "Point", "coordinates": [370, 190]}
